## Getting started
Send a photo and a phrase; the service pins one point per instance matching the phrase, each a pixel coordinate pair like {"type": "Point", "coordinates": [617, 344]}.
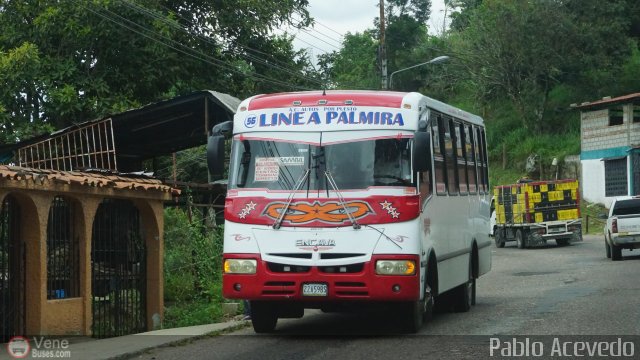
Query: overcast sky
{"type": "Point", "coordinates": [337, 17]}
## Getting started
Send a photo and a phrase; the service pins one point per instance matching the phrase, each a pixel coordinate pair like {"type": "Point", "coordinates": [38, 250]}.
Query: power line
{"type": "Point", "coordinates": [297, 28]}
{"type": "Point", "coordinates": [150, 13]}
{"type": "Point", "coordinates": [337, 41]}
{"type": "Point", "coordinates": [189, 52]}
{"type": "Point", "coordinates": [321, 24]}
{"type": "Point", "coordinates": [328, 28]}
{"type": "Point", "coordinates": [312, 45]}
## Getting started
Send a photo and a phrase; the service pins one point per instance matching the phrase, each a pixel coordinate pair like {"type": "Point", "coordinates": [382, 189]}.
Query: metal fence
{"type": "Point", "coordinates": [88, 147]}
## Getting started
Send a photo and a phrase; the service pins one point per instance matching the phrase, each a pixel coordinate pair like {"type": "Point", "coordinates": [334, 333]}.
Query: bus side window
{"type": "Point", "coordinates": [485, 163]}
{"type": "Point", "coordinates": [461, 158]}
{"type": "Point", "coordinates": [472, 152]}
{"type": "Point", "coordinates": [482, 184]}
{"type": "Point", "coordinates": [439, 165]}
{"type": "Point", "coordinates": [451, 158]}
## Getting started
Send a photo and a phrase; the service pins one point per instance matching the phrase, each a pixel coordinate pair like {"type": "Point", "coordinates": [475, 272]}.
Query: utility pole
{"type": "Point", "coordinates": [383, 51]}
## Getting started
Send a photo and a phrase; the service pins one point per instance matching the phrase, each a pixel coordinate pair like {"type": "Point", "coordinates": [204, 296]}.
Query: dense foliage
{"type": "Point", "coordinates": [192, 271]}
{"type": "Point", "coordinates": [519, 64]}
{"type": "Point", "coordinates": [63, 62]}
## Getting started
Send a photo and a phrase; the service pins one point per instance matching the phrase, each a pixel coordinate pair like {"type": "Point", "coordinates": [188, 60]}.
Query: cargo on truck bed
{"type": "Point", "coordinates": [531, 213]}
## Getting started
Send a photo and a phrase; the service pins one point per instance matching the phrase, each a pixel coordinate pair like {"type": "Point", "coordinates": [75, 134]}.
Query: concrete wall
{"type": "Point", "coordinates": [601, 141]}
{"type": "Point", "coordinates": [73, 316]}
{"type": "Point", "coordinates": [593, 182]}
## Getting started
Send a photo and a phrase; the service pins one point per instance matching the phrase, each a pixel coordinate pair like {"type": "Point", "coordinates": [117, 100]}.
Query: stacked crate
{"type": "Point", "coordinates": [537, 202]}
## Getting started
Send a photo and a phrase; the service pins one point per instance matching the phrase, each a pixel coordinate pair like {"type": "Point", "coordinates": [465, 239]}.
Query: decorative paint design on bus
{"type": "Point", "coordinates": [390, 209]}
{"type": "Point", "coordinates": [329, 212]}
{"type": "Point", "coordinates": [240, 237]}
{"type": "Point", "coordinates": [247, 210]}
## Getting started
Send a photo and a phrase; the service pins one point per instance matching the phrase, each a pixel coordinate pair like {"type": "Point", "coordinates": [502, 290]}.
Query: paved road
{"type": "Point", "coordinates": [570, 290]}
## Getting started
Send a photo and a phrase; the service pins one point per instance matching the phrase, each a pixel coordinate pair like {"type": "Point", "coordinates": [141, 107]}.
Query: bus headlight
{"type": "Point", "coordinates": [240, 266]}
{"type": "Point", "coordinates": [395, 267]}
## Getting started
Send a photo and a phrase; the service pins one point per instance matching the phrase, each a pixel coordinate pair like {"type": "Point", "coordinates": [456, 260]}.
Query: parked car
{"type": "Point", "coordinates": [622, 230]}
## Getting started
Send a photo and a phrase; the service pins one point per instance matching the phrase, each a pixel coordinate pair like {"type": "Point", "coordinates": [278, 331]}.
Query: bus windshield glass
{"type": "Point", "coordinates": [281, 164]}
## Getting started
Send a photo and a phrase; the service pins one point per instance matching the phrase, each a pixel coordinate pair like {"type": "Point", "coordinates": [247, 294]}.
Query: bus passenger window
{"type": "Point", "coordinates": [450, 156]}
{"type": "Point", "coordinates": [439, 165]}
{"type": "Point", "coordinates": [471, 159]}
{"type": "Point", "coordinates": [461, 158]}
{"type": "Point", "coordinates": [482, 181]}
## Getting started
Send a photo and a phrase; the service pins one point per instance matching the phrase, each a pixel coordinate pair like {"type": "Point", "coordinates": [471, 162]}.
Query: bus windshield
{"type": "Point", "coordinates": [280, 164]}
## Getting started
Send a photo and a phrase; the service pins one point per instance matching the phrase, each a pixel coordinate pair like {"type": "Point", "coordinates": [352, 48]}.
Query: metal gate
{"type": "Point", "coordinates": [12, 272]}
{"type": "Point", "coordinates": [118, 263]}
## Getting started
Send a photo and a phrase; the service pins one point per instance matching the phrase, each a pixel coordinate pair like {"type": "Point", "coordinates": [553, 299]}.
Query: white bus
{"type": "Point", "coordinates": [349, 198]}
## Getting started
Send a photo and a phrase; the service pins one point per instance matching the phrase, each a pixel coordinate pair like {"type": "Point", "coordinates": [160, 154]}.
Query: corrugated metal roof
{"type": "Point", "coordinates": [155, 129]}
{"type": "Point", "coordinates": [83, 178]}
{"type": "Point", "coordinates": [635, 98]}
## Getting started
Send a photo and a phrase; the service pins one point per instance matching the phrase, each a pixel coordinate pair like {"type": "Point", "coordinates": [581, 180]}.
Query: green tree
{"type": "Point", "coordinates": [354, 66]}
{"type": "Point", "coordinates": [518, 49]}
{"type": "Point", "coordinates": [406, 30]}
{"type": "Point", "coordinates": [62, 62]}
{"type": "Point", "coordinates": [461, 12]}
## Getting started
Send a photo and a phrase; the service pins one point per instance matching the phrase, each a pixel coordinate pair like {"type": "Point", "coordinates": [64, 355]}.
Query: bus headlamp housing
{"type": "Point", "coordinates": [395, 267]}
{"type": "Point", "coordinates": [240, 266]}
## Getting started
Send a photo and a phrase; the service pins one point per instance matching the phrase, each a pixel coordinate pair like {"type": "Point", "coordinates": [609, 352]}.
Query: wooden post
{"type": "Point", "coordinates": [587, 225]}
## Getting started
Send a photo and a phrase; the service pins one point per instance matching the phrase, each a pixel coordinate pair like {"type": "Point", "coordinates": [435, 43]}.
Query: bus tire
{"type": "Point", "coordinates": [465, 293]}
{"type": "Point", "coordinates": [413, 316]}
{"type": "Point", "coordinates": [520, 239]}
{"type": "Point", "coordinates": [264, 317]}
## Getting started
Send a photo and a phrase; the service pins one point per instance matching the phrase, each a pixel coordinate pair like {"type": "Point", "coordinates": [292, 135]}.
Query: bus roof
{"type": "Point", "coordinates": [389, 99]}
{"type": "Point", "coordinates": [412, 101]}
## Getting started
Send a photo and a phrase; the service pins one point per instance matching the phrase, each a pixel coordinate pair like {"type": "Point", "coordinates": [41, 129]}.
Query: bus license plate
{"type": "Point", "coordinates": [314, 290]}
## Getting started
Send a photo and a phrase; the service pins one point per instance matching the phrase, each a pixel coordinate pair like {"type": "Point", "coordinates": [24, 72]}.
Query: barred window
{"type": "Point", "coordinates": [615, 177]}
{"type": "Point", "coordinates": [63, 278]}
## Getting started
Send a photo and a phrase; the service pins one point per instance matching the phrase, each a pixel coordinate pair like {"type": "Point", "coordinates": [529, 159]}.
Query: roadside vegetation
{"type": "Point", "coordinates": [192, 271]}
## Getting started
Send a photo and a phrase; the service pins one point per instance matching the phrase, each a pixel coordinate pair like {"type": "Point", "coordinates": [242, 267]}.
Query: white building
{"type": "Point", "coordinates": [610, 148]}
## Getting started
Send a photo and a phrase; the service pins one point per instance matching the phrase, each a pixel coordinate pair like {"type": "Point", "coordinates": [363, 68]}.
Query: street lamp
{"type": "Point", "coordinates": [435, 60]}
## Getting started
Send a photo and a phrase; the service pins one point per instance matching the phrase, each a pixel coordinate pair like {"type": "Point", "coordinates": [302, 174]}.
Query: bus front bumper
{"type": "Point", "coordinates": [354, 282]}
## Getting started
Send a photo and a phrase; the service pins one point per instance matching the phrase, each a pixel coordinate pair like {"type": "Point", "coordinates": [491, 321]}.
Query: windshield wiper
{"type": "Point", "coordinates": [299, 182]}
{"type": "Point", "coordinates": [333, 184]}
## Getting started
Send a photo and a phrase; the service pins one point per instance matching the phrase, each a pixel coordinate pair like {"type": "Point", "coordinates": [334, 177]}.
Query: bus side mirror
{"type": "Point", "coordinates": [215, 149]}
{"type": "Point", "coordinates": [421, 152]}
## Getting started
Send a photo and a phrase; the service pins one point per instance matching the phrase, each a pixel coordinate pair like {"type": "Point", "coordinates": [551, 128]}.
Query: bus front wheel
{"type": "Point", "coordinates": [264, 316]}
